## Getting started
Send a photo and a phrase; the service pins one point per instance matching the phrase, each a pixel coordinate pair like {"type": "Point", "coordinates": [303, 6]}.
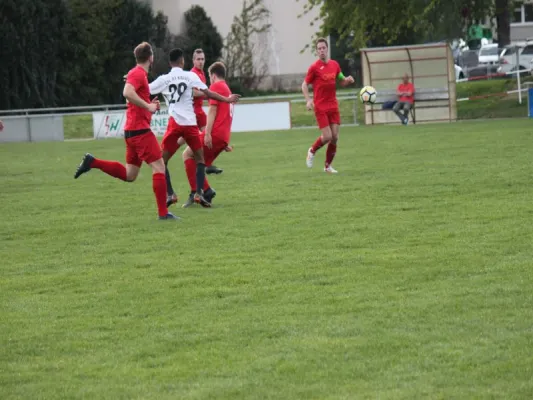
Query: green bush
{"type": "Point", "coordinates": [484, 87]}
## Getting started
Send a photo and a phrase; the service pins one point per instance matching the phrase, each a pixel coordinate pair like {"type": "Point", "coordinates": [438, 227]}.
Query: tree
{"type": "Point", "coordinates": [245, 51]}
{"type": "Point", "coordinates": [130, 23]}
{"type": "Point", "coordinates": [33, 37]}
{"type": "Point", "coordinates": [161, 34]}
{"type": "Point", "coordinates": [387, 21]}
{"type": "Point", "coordinates": [201, 32]}
{"type": "Point", "coordinates": [108, 31]}
{"type": "Point", "coordinates": [72, 52]}
{"type": "Point", "coordinates": [503, 21]}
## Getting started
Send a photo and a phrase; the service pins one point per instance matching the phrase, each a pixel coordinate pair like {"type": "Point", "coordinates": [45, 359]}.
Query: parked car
{"type": "Point", "coordinates": [487, 63]}
{"type": "Point", "coordinates": [459, 74]}
{"type": "Point", "coordinates": [508, 60]}
{"type": "Point", "coordinates": [489, 54]}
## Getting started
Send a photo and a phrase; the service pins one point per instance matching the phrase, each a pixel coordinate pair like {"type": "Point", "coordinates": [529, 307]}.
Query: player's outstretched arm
{"type": "Point", "coordinates": [157, 86]}
{"type": "Point", "coordinates": [131, 95]}
{"type": "Point", "coordinates": [215, 96]}
{"type": "Point", "coordinates": [197, 93]}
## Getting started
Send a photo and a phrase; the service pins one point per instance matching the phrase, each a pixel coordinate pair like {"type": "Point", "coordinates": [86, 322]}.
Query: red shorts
{"type": "Point", "coordinates": [327, 118]}
{"type": "Point", "coordinates": [210, 154]}
{"type": "Point", "coordinates": [143, 147]}
{"type": "Point", "coordinates": [191, 134]}
{"type": "Point", "coordinates": [201, 118]}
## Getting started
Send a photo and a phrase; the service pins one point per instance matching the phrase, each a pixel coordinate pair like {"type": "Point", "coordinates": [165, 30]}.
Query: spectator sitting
{"type": "Point", "coordinates": [406, 98]}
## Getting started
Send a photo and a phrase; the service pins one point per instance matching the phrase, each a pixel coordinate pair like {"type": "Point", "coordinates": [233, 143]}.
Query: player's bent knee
{"type": "Point", "coordinates": [166, 156]}
{"type": "Point", "coordinates": [326, 134]}
{"type": "Point", "coordinates": [158, 167]}
{"type": "Point", "coordinates": [132, 171]}
{"type": "Point", "coordinates": [334, 133]}
{"type": "Point", "coordinates": [187, 154]}
{"type": "Point", "coordinates": [199, 156]}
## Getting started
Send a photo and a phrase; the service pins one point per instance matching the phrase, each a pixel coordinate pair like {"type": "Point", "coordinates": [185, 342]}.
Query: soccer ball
{"type": "Point", "coordinates": [368, 95]}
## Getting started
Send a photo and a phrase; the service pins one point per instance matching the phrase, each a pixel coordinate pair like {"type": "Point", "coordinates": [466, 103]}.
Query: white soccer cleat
{"type": "Point", "coordinates": [330, 170]}
{"type": "Point", "coordinates": [310, 158]}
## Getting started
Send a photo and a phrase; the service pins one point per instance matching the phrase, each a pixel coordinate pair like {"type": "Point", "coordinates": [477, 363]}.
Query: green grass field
{"type": "Point", "coordinates": [405, 276]}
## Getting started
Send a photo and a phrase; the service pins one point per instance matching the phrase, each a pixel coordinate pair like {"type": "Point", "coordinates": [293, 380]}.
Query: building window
{"type": "Point", "coordinates": [528, 12]}
{"type": "Point", "coordinates": [523, 14]}
{"type": "Point", "coordinates": [517, 16]}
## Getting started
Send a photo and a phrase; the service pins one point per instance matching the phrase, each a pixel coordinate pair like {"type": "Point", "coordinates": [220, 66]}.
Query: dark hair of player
{"type": "Point", "coordinates": [197, 51]}
{"type": "Point", "coordinates": [322, 40]}
{"type": "Point", "coordinates": [143, 52]}
{"type": "Point", "coordinates": [175, 56]}
{"type": "Point", "coordinates": [218, 69]}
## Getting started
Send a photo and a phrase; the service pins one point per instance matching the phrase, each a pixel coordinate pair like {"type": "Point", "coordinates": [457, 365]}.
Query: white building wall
{"type": "Point", "coordinates": [288, 36]}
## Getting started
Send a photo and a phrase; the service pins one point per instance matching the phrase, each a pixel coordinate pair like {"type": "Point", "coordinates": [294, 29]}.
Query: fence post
{"type": "Point", "coordinates": [355, 111]}
{"type": "Point", "coordinates": [28, 126]}
{"type": "Point", "coordinates": [518, 77]}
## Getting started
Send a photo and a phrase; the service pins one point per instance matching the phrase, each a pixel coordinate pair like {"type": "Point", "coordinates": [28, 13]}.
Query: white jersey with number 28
{"type": "Point", "coordinates": [176, 87]}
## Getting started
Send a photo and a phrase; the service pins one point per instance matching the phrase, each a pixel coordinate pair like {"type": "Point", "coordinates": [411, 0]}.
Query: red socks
{"type": "Point", "coordinates": [190, 170]}
{"type": "Point", "coordinates": [330, 153]}
{"type": "Point", "coordinates": [112, 168]}
{"type": "Point", "coordinates": [159, 184]}
{"type": "Point", "coordinates": [317, 145]}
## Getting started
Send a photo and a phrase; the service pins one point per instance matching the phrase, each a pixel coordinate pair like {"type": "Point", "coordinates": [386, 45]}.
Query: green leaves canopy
{"type": "Point", "coordinates": [384, 22]}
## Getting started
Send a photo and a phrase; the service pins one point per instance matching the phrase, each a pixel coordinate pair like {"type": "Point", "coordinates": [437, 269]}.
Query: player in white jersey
{"type": "Point", "coordinates": [177, 88]}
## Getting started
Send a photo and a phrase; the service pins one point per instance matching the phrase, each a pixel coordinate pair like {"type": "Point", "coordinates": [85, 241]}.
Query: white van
{"type": "Point", "coordinates": [489, 54]}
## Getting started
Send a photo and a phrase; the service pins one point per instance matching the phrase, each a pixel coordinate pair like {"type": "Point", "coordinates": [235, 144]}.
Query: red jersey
{"type": "Point", "coordinates": [407, 88]}
{"type": "Point", "coordinates": [323, 77]}
{"type": "Point", "coordinates": [136, 117]}
{"type": "Point", "coordinates": [198, 101]}
{"type": "Point", "coordinates": [224, 117]}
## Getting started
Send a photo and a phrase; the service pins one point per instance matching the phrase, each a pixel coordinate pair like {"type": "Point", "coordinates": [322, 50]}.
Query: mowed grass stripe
{"type": "Point", "coordinates": [407, 275]}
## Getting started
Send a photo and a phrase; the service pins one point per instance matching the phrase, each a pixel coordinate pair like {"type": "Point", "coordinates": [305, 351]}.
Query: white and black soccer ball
{"type": "Point", "coordinates": [368, 95]}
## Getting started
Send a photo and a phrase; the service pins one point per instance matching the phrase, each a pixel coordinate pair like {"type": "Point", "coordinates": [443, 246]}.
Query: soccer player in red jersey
{"type": "Point", "coordinates": [178, 88]}
{"type": "Point", "coordinates": [323, 75]}
{"type": "Point", "coordinates": [198, 59]}
{"type": "Point", "coordinates": [141, 143]}
{"type": "Point", "coordinates": [217, 134]}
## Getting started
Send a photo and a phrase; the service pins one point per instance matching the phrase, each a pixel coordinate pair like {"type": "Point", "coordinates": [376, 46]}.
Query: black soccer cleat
{"type": "Point", "coordinates": [200, 199]}
{"type": "Point", "coordinates": [213, 170]}
{"type": "Point", "coordinates": [172, 199]}
{"type": "Point", "coordinates": [210, 194]}
{"type": "Point", "coordinates": [169, 217]}
{"type": "Point", "coordinates": [85, 165]}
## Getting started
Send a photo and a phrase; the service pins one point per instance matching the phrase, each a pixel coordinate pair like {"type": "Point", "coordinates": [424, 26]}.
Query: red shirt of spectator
{"type": "Point", "coordinates": [406, 91]}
